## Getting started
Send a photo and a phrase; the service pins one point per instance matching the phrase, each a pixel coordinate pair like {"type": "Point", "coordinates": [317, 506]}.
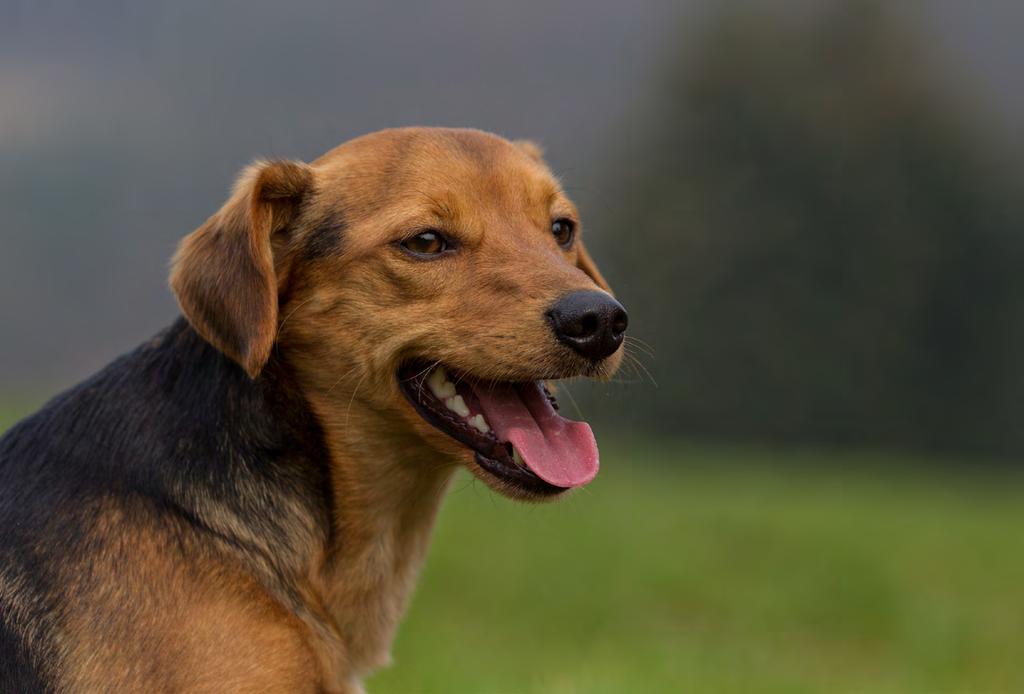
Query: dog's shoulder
{"type": "Point", "coordinates": [161, 475]}
{"type": "Point", "coordinates": [173, 423]}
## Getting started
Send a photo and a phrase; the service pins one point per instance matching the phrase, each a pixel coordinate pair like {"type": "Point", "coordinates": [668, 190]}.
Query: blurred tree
{"type": "Point", "coordinates": [818, 247]}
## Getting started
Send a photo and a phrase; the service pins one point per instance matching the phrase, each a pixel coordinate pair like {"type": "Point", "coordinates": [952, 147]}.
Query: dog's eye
{"type": "Point", "coordinates": [426, 243]}
{"type": "Point", "coordinates": [563, 230]}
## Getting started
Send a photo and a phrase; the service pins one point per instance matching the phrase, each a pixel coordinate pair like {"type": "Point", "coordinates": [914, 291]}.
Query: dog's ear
{"type": "Point", "coordinates": [223, 273]}
{"type": "Point", "coordinates": [586, 263]}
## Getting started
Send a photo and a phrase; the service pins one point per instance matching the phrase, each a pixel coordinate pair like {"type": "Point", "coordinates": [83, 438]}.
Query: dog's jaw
{"type": "Point", "coordinates": [522, 447]}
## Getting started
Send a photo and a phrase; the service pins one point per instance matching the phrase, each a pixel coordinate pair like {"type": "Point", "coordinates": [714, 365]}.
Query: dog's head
{"type": "Point", "coordinates": [434, 280]}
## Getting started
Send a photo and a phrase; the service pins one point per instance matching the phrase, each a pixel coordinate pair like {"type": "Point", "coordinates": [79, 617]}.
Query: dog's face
{"type": "Point", "coordinates": [433, 277]}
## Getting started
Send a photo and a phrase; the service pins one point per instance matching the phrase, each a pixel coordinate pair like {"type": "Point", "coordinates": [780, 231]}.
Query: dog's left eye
{"type": "Point", "coordinates": [563, 231]}
{"type": "Point", "coordinates": [426, 243]}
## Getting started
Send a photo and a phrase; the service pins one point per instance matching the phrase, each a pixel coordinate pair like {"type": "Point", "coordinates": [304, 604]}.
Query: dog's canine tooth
{"type": "Point", "coordinates": [516, 458]}
{"type": "Point", "coordinates": [457, 405]}
{"type": "Point", "coordinates": [480, 423]}
{"type": "Point", "coordinates": [439, 384]}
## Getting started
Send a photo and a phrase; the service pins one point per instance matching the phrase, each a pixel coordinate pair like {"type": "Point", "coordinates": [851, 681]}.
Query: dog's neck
{"type": "Point", "coordinates": [386, 493]}
{"type": "Point", "coordinates": [352, 500]}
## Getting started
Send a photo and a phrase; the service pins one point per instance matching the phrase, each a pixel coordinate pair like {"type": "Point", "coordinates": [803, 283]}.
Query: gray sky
{"type": "Point", "coordinates": [122, 124]}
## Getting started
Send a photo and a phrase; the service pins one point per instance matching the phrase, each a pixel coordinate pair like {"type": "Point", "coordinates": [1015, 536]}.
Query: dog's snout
{"type": "Point", "coordinates": [592, 323]}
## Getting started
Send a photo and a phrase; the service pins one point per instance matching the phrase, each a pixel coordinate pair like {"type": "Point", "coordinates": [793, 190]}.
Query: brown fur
{"type": "Point", "coordinates": [300, 274]}
{"type": "Point", "coordinates": [171, 625]}
{"type": "Point", "coordinates": [350, 317]}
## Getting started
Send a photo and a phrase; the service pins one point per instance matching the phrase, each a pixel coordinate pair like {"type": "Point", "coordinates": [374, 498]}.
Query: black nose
{"type": "Point", "coordinates": [592, 323]}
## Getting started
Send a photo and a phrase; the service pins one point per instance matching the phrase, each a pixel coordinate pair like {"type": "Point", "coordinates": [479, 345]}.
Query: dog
{"type": "Point", "coordinates": [243, 502]}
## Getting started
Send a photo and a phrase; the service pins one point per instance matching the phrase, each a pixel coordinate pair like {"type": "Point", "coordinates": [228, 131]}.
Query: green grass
{"type": "Point", "coordinates": [714, 570]}
{"type": "Point", "coordinates": [13, 409]}
{"type": "Point", "coordinates": [710, 570]}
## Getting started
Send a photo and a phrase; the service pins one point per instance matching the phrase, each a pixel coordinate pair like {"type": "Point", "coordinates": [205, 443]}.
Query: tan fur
{"type": "Point", "coordinates": [343, 320]}
{"type": "Point", "coordinates": [158, 620]}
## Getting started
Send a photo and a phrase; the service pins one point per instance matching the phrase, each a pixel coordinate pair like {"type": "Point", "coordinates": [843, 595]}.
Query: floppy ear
{"type": "Point", "coordinates": [223, 273]}
{"type": "Point", "coordinates": [586, 263]}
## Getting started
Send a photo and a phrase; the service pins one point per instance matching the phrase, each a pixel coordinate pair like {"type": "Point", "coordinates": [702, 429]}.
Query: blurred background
{"type": "Point", "coordinates": [814, 212]}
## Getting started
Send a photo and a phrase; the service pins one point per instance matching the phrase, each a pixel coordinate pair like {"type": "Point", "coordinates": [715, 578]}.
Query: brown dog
{"type": "Point", "coordinates": [179, 523]}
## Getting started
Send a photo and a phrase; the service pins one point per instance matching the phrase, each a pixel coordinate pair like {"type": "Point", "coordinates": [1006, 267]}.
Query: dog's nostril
{"type": "Point", "coordinates": [587, 325]}
{"type": "Point", "coordinates": [620, 322]}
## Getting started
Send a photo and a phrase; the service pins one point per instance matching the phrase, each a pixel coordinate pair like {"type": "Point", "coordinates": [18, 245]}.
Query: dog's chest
{"type": "Point", "coordinates": [368, 589]}
{"type": "Point", "coordinates": [371, 611]}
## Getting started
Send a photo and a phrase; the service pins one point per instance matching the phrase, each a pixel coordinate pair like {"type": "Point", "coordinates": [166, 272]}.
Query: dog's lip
{"type": "Point", "coordinates": [490, 454]}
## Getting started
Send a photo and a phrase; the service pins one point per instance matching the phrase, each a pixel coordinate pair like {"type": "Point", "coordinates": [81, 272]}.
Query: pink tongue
{"type": "Point", "coordinates": [559, 451]}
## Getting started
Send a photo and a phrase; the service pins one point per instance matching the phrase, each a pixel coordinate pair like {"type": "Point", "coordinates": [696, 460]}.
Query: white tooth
{"type": "Point", "coordinates": [480, 423]}
{"type": "Point", "coordinates": [436, 378]}
{"type": "Point", "coordinates": [457, 405]}
{"type": "Point", "coordinates": [516, 458]}
{"type": "Point", "coordinates": [439, 384]}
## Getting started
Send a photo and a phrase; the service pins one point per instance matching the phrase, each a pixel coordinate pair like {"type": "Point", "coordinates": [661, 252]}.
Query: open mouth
{"type": "Point", "coordinates": [514, 429]}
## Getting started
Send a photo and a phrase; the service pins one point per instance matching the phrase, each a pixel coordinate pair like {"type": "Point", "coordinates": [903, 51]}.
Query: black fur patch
{"type": "Point", "coordinates": [16, 674]}
{"type": "Point", "coordinates": [176, 435]}
{"type": "Point", "coordinates": [326, 240]}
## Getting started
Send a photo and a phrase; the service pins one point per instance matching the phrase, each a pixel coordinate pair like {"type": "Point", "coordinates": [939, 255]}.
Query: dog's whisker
{"type": "Point", "coordinates": [637, 355]}
{"type": "Point", "coordinates": [639, 344]}
{"type": "Point", "coordinates": [281, 326]}
{"type": "Point", "coordinates": [575, 405]}
{"type": "Point", "coordinates": [340, 379]}
{"type": "Point", "coordinates": [421, 377]}
{"type": "Point", "coordinates": [641, 366]}
{"type": "Point", "coordinates": [628, 366]}
{"type": "Point", "coordinates": [634, 338]}
{"type": "Point", "coordinates": [631, 369]}
{"type": "Point", "coordinates": [348, 410]}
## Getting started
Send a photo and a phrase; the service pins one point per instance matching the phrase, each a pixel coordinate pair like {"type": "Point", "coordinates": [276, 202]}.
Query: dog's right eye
{"type": "Point", "coordinates": [426, 243]}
